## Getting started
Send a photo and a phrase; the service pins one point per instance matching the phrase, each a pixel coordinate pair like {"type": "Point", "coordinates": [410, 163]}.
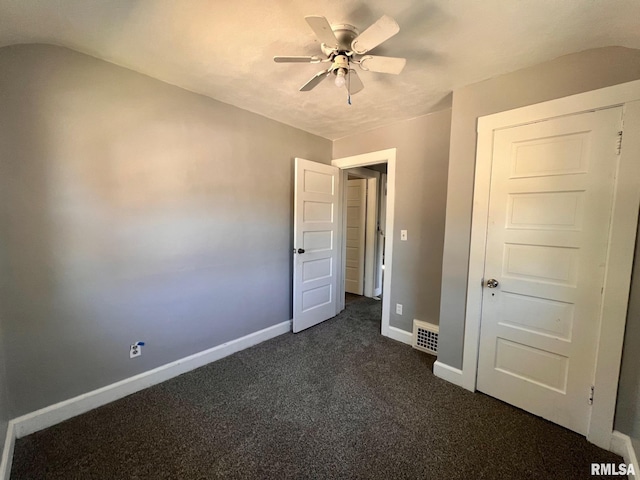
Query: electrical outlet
{"type": "Point", "coordinates": [135, 350]}
{"type": "Point", "coordinates": [403, 235]}
{"type": "Point", "coordinates": [399, 308]}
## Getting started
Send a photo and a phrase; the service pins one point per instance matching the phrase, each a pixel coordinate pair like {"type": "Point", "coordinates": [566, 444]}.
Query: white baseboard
{"type": "Point", "coordinates": [49, 416]}
{"type": "Point", "coordinates": [7, 453]}
{"type": "Point", "coordinates": [450, 374]}
{"type": "Point", "coordinates": [621, 444]}
{"type": "Point", "coordinates": [59, 412]}
{"type": "Point", "coordinates": [400, 335]}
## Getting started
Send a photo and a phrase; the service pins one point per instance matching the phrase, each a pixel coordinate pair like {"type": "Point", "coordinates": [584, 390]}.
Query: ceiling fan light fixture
{"type": "Point", "coordinates": [343, 45]}
{"type": "Point", "coordinates": [340, 77]}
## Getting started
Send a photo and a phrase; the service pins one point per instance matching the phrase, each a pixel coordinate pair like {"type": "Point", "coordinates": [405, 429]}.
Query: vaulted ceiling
{"type": "Point", "coordinates": [224, 48]}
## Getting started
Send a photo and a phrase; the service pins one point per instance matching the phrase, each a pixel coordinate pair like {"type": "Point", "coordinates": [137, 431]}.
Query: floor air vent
{"type": "Point", "coordinates": [425, 337]}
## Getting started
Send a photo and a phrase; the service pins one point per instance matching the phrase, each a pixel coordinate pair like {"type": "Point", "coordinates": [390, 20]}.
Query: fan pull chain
{"type": "Point", "coordinates": [349, 85]}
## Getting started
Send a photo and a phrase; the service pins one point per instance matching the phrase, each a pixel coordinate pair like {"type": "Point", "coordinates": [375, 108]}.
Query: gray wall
{"type": "Point", "coordinates": [563, 76]}
{"type": "Point", "coordinates": [132, 210]}
{"type": "Point", "coordinates": [421, 177]}
{"type": "Point", "coordinates": [5, 414]}
{"type": "Point", "coordinates": [628, 407]}
{"type": "Point", "coordinates": [4, 400]}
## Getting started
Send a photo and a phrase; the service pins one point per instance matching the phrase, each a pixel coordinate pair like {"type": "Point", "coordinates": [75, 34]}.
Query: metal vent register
{"type": "Point", "coordinates": [425, 337]}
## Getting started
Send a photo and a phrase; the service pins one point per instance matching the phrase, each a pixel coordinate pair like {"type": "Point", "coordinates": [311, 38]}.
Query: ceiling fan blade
{"type": "Point", "coordinates": [322, 29]}
{"type": "Point", "coordinates": [313, 59]}
{"type": "Point", "coordinates": [317, 78]}
{"type": "Point", "coordinates": [385, 28]}
{"type": "Point", "coordinates": [353, 83]}
{"type": "Point", "coordinates": [392, 65]}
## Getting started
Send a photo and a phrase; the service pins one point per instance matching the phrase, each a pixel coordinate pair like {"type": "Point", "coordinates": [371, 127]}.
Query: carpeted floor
{"type": "Point", "coordinates": [336, 401]}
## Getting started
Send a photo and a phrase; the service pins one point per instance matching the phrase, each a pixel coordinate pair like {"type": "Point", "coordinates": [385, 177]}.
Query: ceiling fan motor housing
{"type": "Point", "coordinates": [345, 34]}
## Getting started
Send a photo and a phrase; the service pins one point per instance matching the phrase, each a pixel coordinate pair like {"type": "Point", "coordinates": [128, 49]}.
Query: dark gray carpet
{"type": "Point", "coordinates": [336, 401]}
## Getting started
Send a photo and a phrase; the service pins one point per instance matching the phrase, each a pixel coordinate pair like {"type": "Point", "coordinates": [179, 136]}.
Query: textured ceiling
{"type": "Point", "coordinates": [224, 48]}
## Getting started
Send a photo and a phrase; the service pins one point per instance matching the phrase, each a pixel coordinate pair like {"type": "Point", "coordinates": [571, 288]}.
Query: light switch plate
{"type": "Point", "coordinates": [403, 235]}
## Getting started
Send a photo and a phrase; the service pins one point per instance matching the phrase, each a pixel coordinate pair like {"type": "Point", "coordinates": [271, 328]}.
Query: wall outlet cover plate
{"type": "Point", "coordinates": [135, 350]}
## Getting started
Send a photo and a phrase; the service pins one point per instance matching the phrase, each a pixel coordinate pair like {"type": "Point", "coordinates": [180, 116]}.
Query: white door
{"type": "Point", "coordinates": [316, 217]}
{"type": "Point", "coordinates": [356, 224]}
{"type": "Point", "coordinates": [549, 212]}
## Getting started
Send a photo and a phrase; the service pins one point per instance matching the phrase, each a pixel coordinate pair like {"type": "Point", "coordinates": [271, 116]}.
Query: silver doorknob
{"type": "Point", "coordinates": [492, 283]}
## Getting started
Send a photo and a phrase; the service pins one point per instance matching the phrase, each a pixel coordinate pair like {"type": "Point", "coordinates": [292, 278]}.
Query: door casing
{"type": "Point", "coordinates": [389, 157]}
{"type": "Point", "coordinates": [620, 248]}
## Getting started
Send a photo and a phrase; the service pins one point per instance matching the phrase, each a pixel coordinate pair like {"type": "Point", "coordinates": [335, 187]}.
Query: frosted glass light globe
{"type": "Point", "coordinates": [340, 78]}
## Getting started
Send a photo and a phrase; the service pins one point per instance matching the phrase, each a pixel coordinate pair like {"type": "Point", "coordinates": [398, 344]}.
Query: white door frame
{"type": "Point", "coordinates": [373, 178]}
{"type": "Point", "coordinates": [382, 214]}
{"type": "Point", "coordinates": [620, 249]}
{"type": "Point", "coordinates": [389, 157]}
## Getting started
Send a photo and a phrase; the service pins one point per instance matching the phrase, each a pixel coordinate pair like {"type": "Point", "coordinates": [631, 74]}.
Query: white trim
{"type": "Point", "coordinates": [581, 102]}
{"type": "Point", "coordinates": [400, 335]}
{"type": "Point", "coordinates": [445, 372]}
{"type": "Point", "coordinates": [622, 240]}
{"type": "Point", "coordinates": [389, 157]}
{"type": "Point", "coordinates": [621, 445]}
{"type": "Point", "coordinates": [365, 159]}
{"type": "Point", "coordinates": [476, 260]}
{"type": "Point", "coordinates": [7, 453]}
{"type": "Point", "coordinates": [59, 412]}
{"type": "Point", "coordinates": [617, 282]}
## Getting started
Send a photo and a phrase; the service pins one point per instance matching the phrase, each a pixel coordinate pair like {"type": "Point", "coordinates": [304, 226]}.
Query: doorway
{"type": "Point", "coordinates": [363, 233]}
{"type": "Point", "coordinates": [387, 157]}
{"type": "Point", "coordinates": [319, 249]}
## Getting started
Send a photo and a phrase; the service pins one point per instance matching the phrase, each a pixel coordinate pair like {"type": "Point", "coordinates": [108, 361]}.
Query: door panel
{"type": "Point", "coordinates": [356, 224]}
{"type": "Point", "coordinates": [549, 212]}
{"type": "Point", "coordinates": [315, 232]}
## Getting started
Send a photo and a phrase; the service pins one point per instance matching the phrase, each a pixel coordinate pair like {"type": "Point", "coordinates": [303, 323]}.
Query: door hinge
{"type": "Point", "coordinates": [591, 394]}
{"type": "Point", "coordinates": [619, 143]}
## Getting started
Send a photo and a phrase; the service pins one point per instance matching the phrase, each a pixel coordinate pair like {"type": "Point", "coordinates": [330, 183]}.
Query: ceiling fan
{"type": "Point", "coordinates": [343, 46]}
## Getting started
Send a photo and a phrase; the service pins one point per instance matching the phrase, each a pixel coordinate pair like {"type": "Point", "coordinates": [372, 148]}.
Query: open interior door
{"type": "Point", "coordinates": [315, 241]}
